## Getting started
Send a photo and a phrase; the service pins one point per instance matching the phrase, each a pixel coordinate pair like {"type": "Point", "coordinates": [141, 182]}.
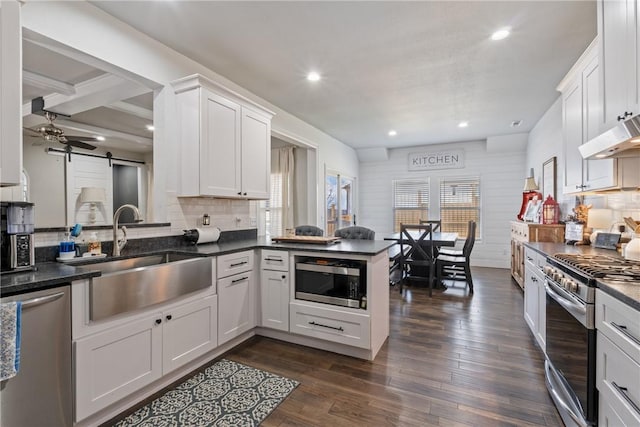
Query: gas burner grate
{"type": "Point", "coordinates": [599, 266]}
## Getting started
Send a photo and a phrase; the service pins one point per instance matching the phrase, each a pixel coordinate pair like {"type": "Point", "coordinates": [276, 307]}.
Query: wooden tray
{"type": "Point", "coordinates": [318, 240]}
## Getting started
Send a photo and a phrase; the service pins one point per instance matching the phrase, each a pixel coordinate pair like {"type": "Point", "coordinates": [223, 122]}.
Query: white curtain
{"type": "Point", "coordinates": [281, 192]}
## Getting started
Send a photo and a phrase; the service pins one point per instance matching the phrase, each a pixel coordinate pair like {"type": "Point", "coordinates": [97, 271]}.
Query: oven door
{"type": "Point", "coordinates": [570, 346]}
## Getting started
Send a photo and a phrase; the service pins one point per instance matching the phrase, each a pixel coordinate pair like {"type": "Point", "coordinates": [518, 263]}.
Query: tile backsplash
{"type": "Point", "coordinates": [183, 213]}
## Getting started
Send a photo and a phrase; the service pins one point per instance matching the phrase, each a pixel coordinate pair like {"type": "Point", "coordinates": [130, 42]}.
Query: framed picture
{"type": "Point", "coordinates": [549, 178]}
{"type": "Point", "coordinates": [532, 214]}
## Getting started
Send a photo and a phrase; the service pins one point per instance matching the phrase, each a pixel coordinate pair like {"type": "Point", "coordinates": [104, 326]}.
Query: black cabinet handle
{"type": "Point", "coordinates": [169, 317]}
{"type": "Point", "coordinates": [244, 194]}
{"type": "Point", "coordinates": [239, 280]}
{"type": "Point", "coordinates": [327, 326]}
{"type": "Point", "coordinates": [158, 321]}
{"type": "Point", "coordinates": [628, 113]}
{"type": "Point", "coordinates": [239, 193]}
{"type": "Point", "coordinates": [623, 330]}
{"type": "Point", "coordinates": [284, 277]}
{"type": "Point", "coordinates": [238, 263]}
{"type": "Point", "coordinates": [624, 392]}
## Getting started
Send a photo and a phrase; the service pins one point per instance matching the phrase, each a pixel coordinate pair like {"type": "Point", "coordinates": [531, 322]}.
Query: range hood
{"type": "Point", "coordinates": [621, 141]}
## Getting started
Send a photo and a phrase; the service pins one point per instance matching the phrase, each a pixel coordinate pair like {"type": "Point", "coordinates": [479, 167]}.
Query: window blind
{"type": "Point", "coordinates": [410, 202]}
{"type": "Point", "coordinates": [460, 203]}
{"type": "Point", "coordinates": [273, 207]}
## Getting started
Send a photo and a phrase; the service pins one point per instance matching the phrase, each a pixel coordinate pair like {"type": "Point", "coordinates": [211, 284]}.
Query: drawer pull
{"type": "Point", "coordinates": [529, 259]}
{"type": "Point", "coordinates": [625, 395]}
{"type": "Point", "coordinates": [339, 328]}
{"type": "Point", "coordinates": [239, 280]}
{"type": "Point", "coordinates": [238, 263]}
{"type": "Point", "coordinates": [273, 259]}
{"type": "Point", "coordinates": [623, 330]}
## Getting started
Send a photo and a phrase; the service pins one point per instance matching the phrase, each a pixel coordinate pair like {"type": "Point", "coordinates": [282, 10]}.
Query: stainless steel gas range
{"type": "Point", "coordinates": [570, 368]}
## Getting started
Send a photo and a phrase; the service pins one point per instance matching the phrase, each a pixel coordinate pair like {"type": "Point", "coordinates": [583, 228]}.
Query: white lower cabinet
{"type": "Point", "coordinates": [274, 292]}
{"type": "Point", "coordinates": [113, 363]}
{"type": "Point", "coordinates": [330, 324]}
{"type": "Point", "coordinates": [617, 362]}
{"type": "Point", "coordinates": [189, 331]}
{"type": "Point", "coordinates": [274, 289]}
{"type": "Point", "coordinates": [237, 308]}
{"type": "Point", "coordinates": [535, 296]}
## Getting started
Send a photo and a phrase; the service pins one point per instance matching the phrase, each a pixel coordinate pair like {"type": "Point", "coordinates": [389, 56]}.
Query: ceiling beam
{"type": "Point", "coordinates": [125, 107]}
{"type": "Point", "coordinates": [97, 92]}
{"type": "Point", "coordinates": [107, 133]}
{"type": "Point", "coordinates": [47, 83]}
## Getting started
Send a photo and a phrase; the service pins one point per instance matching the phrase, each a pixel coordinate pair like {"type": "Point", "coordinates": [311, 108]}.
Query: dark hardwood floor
{"type": "Point", "coordinates": [450, 360]}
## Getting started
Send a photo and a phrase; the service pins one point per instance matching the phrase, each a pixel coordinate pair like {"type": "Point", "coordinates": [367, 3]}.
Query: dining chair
{"type": "Point", "coordinates": [356, 232]}
{"type": "Point", "coordinates": [309, 230]}
{"type": "Point", "coordinates": [417, 261]}
{"type": "Point", "coordinates": [435, 223]}
{"type": "Point", "coordinates": [455, 264]}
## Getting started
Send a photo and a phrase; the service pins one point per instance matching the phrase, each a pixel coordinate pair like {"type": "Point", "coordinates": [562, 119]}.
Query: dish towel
{"type": "Point", "coordinates": [10, 319]}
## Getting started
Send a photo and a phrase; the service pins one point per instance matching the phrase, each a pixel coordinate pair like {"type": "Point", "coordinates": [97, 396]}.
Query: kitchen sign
{"type": "Point", "coordinates": [452, 159]}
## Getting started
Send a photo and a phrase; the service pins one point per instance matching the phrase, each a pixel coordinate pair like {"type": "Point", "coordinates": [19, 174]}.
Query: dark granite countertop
{"type": "Point", "coordinates": [629, 293]}
{"type": "Point", "coordinates": [51, 274]}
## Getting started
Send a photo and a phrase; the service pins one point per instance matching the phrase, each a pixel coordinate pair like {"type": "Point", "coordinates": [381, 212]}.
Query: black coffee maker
{"type": "Point", "coordinates": [17, 224]}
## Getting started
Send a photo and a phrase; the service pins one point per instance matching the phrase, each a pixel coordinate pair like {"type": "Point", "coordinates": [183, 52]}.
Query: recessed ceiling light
{"type": "Point", "coordinates": [392, 132]}
{"type": "Point", "coordinates": [313, 76]}
{"type": "Point", "coordinates": [463, 124]}
{"type": "Point", "coordinates": [635, 141]}
{"type": "Point", "coordinates": [150, 128]}
{"type": "Point", "coordinates": [516, 123]}
{"type": "Point", "coordinates": [502, 33]}
{"type": "Point", "coordinates": [100, 138]}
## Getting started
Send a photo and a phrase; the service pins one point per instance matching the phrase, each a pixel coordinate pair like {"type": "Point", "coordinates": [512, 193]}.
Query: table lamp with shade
{"type": "Point", "coordinates": [529, 192]}
{"type": "Point", "coordinates": [92, 195]}
{"type": "Point", "coordinates": [600, 221]}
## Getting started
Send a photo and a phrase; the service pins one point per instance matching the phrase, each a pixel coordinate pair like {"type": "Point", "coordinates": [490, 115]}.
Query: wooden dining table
{"type": "Point", "coordinates": [440, 239]}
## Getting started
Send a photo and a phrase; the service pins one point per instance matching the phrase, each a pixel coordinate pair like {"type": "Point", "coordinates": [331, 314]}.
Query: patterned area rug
{"type": "Point", "coordinates": [225, 394]}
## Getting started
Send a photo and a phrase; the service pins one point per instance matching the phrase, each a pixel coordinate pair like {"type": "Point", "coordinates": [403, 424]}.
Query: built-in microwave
{"type": "Point", "coordinates": [332, 281]}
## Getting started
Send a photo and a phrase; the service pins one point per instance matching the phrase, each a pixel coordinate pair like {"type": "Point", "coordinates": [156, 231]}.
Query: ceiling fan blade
{"type": "Point", "coordinates": [81, 138]}
{"type": "Point", "coordinates": [33, 132]}
{"type": "Point", "coordinates": [79, 144]}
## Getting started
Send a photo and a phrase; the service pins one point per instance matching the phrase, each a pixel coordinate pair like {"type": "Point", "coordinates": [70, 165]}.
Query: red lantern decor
{"type": "Point", "coordinates": [550, 211]}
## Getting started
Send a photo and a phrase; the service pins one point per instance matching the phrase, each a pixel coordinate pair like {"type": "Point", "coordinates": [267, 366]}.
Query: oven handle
{"type": "Point", "coordinates": [572, 307]}
{"type": "Point", "coordinates": [559, 390]}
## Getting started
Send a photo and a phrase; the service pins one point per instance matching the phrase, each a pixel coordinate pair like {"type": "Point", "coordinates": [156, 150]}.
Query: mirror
{"type": "Point", "coordinates": [95, 105]}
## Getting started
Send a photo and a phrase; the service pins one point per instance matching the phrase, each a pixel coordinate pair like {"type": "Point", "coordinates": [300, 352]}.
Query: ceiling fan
{"type": "Point", "coordinates": [51, 133]}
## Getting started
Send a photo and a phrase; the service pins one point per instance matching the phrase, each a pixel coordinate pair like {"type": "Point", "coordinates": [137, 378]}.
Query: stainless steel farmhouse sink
{"type": "Point", "coordinates": [133, 283]}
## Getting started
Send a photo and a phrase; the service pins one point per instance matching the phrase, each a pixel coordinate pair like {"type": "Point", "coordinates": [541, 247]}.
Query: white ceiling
{"type": "Point", "coordinates": [417, 67]}
{"type": "Point", "coordinates": [98, 102]}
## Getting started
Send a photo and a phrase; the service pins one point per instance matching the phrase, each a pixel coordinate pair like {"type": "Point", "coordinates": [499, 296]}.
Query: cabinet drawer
{"type": "Point", "coordinates": [274, 260]}
{"type": "Point", "coordinates": [235, 263]}
{"type": "Point", "coordinates": [331, 325]}
{"type": "Point", "coordinates": [612, 412]}
{"type": "Point", "coordinates": [618, 378]}
{"type": "Point", "coordinates": [618, 322]}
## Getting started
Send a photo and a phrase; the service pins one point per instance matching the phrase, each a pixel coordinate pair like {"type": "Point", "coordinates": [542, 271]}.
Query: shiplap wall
{"type": "Point", "coordinates": [498, 162]}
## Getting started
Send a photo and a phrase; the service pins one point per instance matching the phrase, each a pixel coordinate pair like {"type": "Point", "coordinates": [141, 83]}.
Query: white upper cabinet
{"type": "Point", "coordinates": [581, 112]}
{"type": "Point", "coordinates": [10, 93]}
{"type": "Point", "coordinates": [617, 29]}
{"type": "Point", "coordinates": [224, 139]}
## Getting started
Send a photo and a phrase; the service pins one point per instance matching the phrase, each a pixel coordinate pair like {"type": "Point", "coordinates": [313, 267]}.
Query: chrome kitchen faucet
{"type": "Point", "coordinates": [119, 244]}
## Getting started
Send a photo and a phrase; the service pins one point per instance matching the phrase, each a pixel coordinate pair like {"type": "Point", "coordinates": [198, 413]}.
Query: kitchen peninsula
{"type": "Point", "coordinates": [251, 292]}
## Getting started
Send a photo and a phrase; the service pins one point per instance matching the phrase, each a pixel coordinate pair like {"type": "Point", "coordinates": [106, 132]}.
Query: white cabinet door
{"type": "Point", "coordinates": [597, 174]}
{"type": "Point", "coordinates": [274, 296]}
{"type": "Point", "coordinates": [617, 29]}
{"type": "Point", "coordinates": [10, 93]}
{"type": "Point", "coordinates": [256, 154]}
{"type": "Point", "coordinates": [572, 129]}
{"type": "Point", "coordinates": [530, 299]}
{"type": "Point", "coordinates": [219, 146]}
{"type": "Point", "coordinates": [112, 364]}
{"type": "Point", "coordinates": [189, 331]}
{"type": "Point", "coordinates": [236, 306]}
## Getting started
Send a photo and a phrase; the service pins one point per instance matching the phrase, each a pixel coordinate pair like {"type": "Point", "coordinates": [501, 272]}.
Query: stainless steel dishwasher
{"type": "Point", "coordinates": [41, 394]}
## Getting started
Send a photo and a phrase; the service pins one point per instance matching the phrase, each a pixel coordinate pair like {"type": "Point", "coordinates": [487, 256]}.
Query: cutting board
{"type": "Point", "coordinates": [318, 240]}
